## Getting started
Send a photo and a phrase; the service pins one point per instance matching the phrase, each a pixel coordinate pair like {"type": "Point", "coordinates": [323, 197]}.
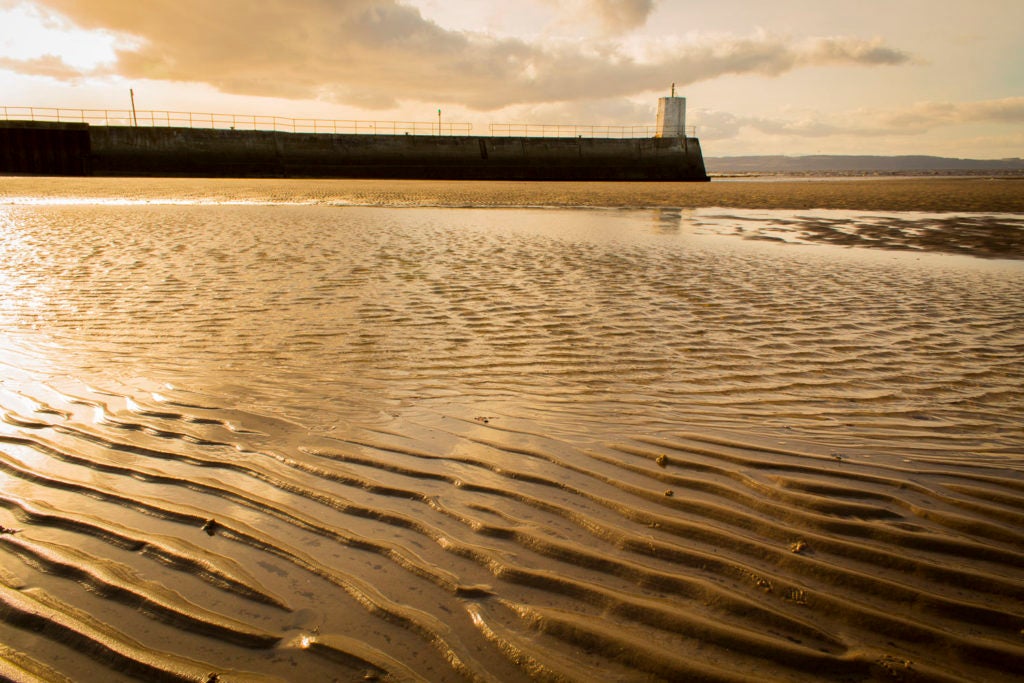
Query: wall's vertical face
{"type": "Point", "coordinates": [695, 160]}
{"type": "Point", "coordinates": [671, 117]}
{"type": "Point", "coordinates": [201, 152]}
{"type": "Point", "coordinates": [76, 149]}
{"type": "Point", "coordinates": [44, 148]}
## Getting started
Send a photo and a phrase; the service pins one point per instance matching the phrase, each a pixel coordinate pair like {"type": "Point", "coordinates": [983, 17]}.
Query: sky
{"type": "Point", "coordinates": [939, 77]}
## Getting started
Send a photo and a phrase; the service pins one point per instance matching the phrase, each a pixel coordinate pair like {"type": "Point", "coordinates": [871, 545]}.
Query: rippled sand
{"type": "Point", "coordinates": [245, 439]}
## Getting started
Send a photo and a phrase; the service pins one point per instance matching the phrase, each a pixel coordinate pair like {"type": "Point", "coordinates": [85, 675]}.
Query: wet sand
{"type": "Point", "coordinates": [244, 438]}
{"type": "Point", "coordinates": [861, 194]}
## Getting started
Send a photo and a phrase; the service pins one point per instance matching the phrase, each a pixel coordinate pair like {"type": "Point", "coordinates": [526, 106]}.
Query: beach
{"type": "Point", "coordinates": [866, 193]}
{"type": "Point", "coordinates": [752, 429]}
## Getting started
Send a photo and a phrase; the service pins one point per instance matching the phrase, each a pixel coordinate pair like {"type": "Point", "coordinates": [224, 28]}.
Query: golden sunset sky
{"type": "Point", "coordinates": [936, 77]}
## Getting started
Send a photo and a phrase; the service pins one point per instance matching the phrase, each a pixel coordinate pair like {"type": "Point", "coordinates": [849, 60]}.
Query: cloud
{"type": "Point", "coordinates": [839, 49]}
{"type": "Point", "coordinates": [1006, 110]}
{"type": "Point", "coordinates": [716, 125]}
{"type": "Point", "coordinates": [50, 66]}
{"type": "Point", "coordinates": [931, 114]}
{"type": "Point", "coordinates": [805, 128]}
{"type": "Point", "coordinates": [619, 15]}
{"type": "Point", "coordinates": [587, 112]}
{"type": "Point", "coordinates": [915, 119]}
{"type": "Point", "coordinates": [612, 17]}
{"type": "Point", "coordinates": [376, 53]}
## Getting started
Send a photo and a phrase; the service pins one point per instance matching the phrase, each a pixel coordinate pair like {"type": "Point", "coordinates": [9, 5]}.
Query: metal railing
{"type": "Point", "coordinates": [573, 130]}
{"type": "Point", "coordinates": [178, 119]}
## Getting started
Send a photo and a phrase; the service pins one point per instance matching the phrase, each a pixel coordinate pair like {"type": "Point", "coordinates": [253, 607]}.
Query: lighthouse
{"type": "Point", "coordinates": [671, 116]}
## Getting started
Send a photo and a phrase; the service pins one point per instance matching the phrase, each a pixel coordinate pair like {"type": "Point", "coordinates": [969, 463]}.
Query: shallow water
{"type": "Point", "coordinates": [309, 440]}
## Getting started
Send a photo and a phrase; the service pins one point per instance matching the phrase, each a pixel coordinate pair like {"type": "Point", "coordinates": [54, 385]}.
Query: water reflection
{"type": "Point", "coordinates": [668, 221]}
{"type": "Point", "coordinates": [501, 444]}
{"type": "Point", "coordinates": [328, 313]}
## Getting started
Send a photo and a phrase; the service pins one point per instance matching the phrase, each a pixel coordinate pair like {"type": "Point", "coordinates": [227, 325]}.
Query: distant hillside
{"type": "Point", "coordinates": [838, 164]}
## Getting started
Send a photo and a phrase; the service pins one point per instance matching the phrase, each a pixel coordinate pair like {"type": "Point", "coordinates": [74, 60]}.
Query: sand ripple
{"type": "Point", "coordinates": [316, 443]}
{"type": "Point", "coordinates": [465, 549]}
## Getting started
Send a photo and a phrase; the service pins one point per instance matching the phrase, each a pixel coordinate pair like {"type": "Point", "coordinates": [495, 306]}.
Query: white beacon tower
{"type": "Point", "coordinates": [671, 116]}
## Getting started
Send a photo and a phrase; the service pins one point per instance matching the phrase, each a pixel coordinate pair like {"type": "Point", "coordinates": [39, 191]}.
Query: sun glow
{"type": "Point", "coordinates": [31, 33]}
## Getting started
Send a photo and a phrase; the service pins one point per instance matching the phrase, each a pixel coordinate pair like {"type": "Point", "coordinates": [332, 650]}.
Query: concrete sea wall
{"type": "Point", "coordinates": [131, 151]}
{"type": "Point", "coordinates": [29, 148]}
